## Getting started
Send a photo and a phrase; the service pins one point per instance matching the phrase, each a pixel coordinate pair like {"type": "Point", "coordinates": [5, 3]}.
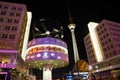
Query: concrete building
{"type": "Point", "coordinates": [14, 32]}
{"type": "Point", "coordinates": [103, 49]}
{"type": "Point", "coordinates": [90, 50]}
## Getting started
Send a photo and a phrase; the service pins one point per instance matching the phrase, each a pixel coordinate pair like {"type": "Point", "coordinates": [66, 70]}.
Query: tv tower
{"type": "Point", "coordinates": [72, 26]}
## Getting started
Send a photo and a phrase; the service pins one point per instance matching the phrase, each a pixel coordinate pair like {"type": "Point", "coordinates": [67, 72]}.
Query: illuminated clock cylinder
{"type": "Point", "coordinates": [43, 51]}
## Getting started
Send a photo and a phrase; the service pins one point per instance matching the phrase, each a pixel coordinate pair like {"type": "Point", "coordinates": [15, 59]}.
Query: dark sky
{"type": "Point", "coordinates": [82, 11]}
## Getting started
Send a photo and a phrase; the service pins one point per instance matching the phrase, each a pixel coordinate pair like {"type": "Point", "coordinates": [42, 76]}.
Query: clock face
{"type": "Point", "coordinates": [47, 28]}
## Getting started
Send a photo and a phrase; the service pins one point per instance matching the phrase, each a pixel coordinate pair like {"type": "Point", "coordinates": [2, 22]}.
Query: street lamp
{"type": "Point", "coordinates": [90, 71]}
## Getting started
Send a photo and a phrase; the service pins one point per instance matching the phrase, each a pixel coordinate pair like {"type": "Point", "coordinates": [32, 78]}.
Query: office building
{"type": "Point", "coordinates": [14, 30]}
{"type": "Point", "coordinates": [103, 45]}
{"type": "Point", "coordinates": [90, 50]}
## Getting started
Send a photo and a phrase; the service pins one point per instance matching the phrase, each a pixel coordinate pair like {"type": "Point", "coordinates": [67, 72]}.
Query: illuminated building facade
{"type": "Point", "coordinates": [90, 50]}
{"type": "Point", "coordinates": [105, 48]}
{"type": "Point", "coordinates": [14, 30]}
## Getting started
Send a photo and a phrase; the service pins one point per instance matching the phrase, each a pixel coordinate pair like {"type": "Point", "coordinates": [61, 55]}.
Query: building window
{"type": "Point", "coordinates": [100, 27]}
{"type": "Point", "coordinates": [12, 13]}
{"type": "Point", "coordinates": [0, 5]}
{"type": "Point", "coordinates": [1, 19]}
{"type": "Point", "coordinates": [4, 36]}
{"type": "Point", "coordinates": [16, 21]}
{"type": "Point", "coordinates": [109, 40]}
{"type": "Point", "coordinates": [12, 37]}
{"type": "Point", "coordinates": [3, 12]}
{"type": "Point", "coordinates": [104, 36]}
{"type": "Point", "coordinates": [18, 14]}
{"type": "Point", "coordinates": [107, 34]}
{"type": "Point", "coordinates": [13, 8]}
{"type": "Point", "coordinates": [102, 31]}
{"type": "Point", "coordinates": [5, 7]}
{"type": "Point", "coordinates": [106, 42]}
{"type": "Point", "coordinates": [99, 33]}
{"type": "Point", "coordinates": [19, 9]}
{"type": "Point", "coordinates": [105, 29]}
{"type": "Point", "coordinates": [101, 38]}
{"type": "Point", "coordinates": [10, 20]}
{"type": "Point", "coordinates": [14, 28]}
{"type": "Point", "coordinates": [108, 48]}
{"type": "Point", "coordinates": [105, 49]}
{"type": "Point", "coordinates": [118, 34]}
{"type": "Point", "coordinates": [103, 24]}
{"type": "Point", "coordinates": [7, 27]}
{"type": "Point", "coordinates": [111, 46]}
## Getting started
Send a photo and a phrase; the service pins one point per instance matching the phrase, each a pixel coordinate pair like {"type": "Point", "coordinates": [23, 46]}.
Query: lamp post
{"type": "Point", "coordinates": [97, 70]}
{"type": "Point", "coordinates": [90, 72]}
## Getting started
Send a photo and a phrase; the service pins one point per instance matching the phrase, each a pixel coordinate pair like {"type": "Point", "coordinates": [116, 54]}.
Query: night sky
{"type": "Point", "coordinates": [82, 11]}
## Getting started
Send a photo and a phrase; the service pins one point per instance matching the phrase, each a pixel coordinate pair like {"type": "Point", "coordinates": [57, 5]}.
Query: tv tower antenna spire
{"type": "Point", "coordinates": [72, 26]}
